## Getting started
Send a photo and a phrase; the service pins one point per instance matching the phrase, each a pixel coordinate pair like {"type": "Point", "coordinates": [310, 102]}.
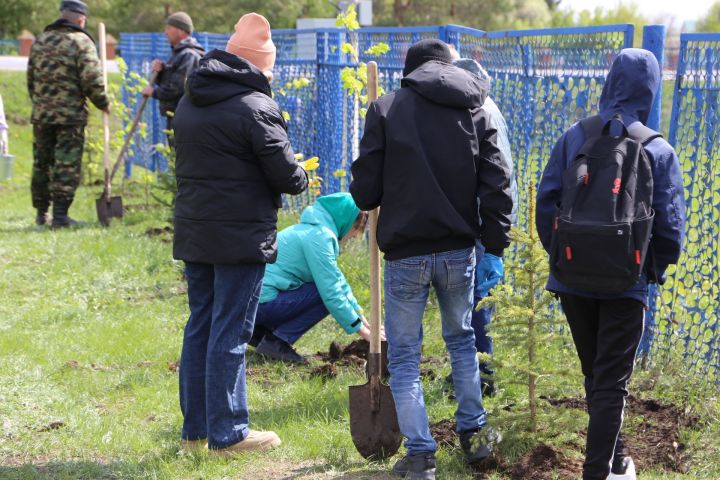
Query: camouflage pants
{"type": "Point", "coordinates": [58, 151]}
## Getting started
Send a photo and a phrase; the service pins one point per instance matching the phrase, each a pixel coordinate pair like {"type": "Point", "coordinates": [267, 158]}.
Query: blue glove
{"type": "Point", "coordinates": [488, 273]}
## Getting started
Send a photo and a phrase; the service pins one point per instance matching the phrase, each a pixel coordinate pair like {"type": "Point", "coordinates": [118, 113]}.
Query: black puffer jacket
{"type": "Point", "coordinates": [171, 80]}
{"type": "Point", "coordinates": [233, 161]}
{"type": "Point", "coordinates": [427, 155]}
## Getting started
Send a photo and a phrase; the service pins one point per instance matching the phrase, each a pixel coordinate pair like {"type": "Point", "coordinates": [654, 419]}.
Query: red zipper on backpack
{"type": "Point", "coordinates": [638, 257]}
{"type": "Point", "coordinates": [568, 252]}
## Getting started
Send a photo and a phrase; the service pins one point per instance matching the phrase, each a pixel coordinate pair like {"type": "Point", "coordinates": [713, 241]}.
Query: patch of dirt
{"type": "Point", "coordinates": [173, 366]}
{"type": "Point", "coordinates": [353, 354]}
{"type": "Point", "coordinates": [57, 424]}
{"type": "Point", "coordinates": [444, 433]}
{"type": "Point", "coordinates": [162, 232]}
{"type": "Point", "coordinates": [540, 463]}
{"type": "Point", "coordinates": [325, 371]}
{"type": "Point", "coordinates": [651, 432]}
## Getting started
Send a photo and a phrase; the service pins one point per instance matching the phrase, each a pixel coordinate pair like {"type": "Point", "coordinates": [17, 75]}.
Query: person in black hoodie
{"type": "Point", "coordinates": [186, 53]}
{"type": "Point", "coordinates": [233, 161]}
{"type": "Point", "coordinates": [426, 157]}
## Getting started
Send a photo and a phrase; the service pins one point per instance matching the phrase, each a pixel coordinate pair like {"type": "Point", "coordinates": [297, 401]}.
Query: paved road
{"type": "Point", "coordinates": [19, 64]}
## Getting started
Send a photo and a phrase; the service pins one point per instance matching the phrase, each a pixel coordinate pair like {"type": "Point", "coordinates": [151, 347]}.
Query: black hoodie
{"type": "Point", "coordinates": [426, 156]}
{"type": "Point", "coordinates": [233, 161]}
{"type": "Point", "coordinates": [171, 80]}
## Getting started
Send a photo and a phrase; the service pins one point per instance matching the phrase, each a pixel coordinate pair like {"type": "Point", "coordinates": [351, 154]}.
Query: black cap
{"type": "Point", "coordinates": [74, 6]}
{"type": "Point", "coordinates": [425, 51]}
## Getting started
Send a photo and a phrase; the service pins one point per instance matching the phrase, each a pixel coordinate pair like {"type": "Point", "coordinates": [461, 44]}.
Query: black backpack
{"type": "Point", "coordinates": [602, 227]}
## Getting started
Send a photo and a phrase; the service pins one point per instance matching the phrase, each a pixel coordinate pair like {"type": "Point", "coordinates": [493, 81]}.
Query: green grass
{"type": "Point", "coordinates": [91, 320]}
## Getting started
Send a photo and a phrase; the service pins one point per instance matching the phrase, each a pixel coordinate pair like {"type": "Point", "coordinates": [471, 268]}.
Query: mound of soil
{"type": "Point", "coordinates": [325, 371]}
{"type": "Point", "coordinates": [444, 433]}
{"type": "Point", "coordinates": [540, 463]}
{"type": "Point", "coordinates": [651, 432]}
{"type": "Point", "coordinates": [353, 354]}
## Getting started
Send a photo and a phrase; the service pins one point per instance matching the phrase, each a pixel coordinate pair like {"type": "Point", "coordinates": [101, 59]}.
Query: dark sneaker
{"type": "Point", "coordinates": [416, 467]}
{"type": "Point", "coordinates": [257, 336]}
{"type": "Point", "coordinates": [479, 444]}
{"type": "Point", "coordinates": [623, 470]}
{"type": "Point", "coordinates": [272, 347]}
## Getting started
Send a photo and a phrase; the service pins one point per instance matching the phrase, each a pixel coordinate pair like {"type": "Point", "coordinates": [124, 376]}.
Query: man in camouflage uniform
{"type": "Point", "coordinates": [63, 70]}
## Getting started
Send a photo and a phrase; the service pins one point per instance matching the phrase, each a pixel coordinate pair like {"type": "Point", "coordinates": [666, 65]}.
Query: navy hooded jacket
{"type": "Point", "coordinates": [629, 90]}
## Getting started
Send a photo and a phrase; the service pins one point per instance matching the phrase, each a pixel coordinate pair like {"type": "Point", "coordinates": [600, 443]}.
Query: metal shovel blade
{"type": "Point", "coordinates": [373, 420]}
{"type": "Point", "coordinates": [108, 208]}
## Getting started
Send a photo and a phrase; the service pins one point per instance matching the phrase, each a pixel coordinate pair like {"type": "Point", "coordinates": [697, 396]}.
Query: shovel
{"type": "Point", "coordinates": [373, 420]}
{"type": "Point", "coordinates": [107, 206]}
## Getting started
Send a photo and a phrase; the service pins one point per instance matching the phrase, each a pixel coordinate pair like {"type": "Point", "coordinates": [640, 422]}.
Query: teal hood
{"type": "Point", "coordinates": [342, 211]}
{"type": "Point", "coordinates": [307, 253]}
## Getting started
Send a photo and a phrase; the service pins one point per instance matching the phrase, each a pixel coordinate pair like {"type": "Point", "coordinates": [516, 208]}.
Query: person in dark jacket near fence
{"type": "Point", "coordinates": [607, 328]}
{"type": "Point", "coordinates": [186, 53]}
{"type": "Point", "coordinates": [426, 155]}
{"type": "Point", "coordinates": [234, 160]}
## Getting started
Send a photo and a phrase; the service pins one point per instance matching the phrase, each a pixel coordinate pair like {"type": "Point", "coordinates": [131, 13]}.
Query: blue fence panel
{"type": "Point", "coordinates": [685, 316]}
{"type": "Point", "coordinates": [544, 81]}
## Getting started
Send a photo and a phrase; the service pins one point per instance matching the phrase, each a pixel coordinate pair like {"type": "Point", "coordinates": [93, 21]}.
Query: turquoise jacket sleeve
{"type": "Point", "coordinates": [321, 252]}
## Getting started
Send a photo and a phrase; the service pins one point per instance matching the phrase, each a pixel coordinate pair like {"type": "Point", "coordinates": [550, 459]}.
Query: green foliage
{"type": "Point", "coordinates": [711, 21]}
{"type": "Point", "coordinates": [522, 318]}
{"type": "Point", "coordinates": [120, 123]}
{"type": "Point", "coordinates": [622, 13]}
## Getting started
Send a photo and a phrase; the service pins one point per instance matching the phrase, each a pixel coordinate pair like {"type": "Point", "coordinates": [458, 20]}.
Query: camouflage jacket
{"type": "Point", "coordinates": [63, 70]}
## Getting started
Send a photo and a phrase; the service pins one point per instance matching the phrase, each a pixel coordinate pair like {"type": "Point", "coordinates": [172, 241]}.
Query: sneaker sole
{"type": "Point", "coordinates": [256, 447]}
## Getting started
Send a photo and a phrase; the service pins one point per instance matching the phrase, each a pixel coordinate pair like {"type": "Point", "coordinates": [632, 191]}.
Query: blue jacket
{"type": "Point", "coordinates": [629, 90]}
{"type": "Point", "coordinates": [307, 253]}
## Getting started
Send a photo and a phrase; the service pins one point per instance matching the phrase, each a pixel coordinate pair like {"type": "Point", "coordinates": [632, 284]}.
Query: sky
{"type": "Point", "coordinates": [681, 9]}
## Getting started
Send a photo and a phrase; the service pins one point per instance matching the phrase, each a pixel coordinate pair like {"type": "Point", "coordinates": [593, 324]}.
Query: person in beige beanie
{"type": "Point", "coordinates": [234, 160]}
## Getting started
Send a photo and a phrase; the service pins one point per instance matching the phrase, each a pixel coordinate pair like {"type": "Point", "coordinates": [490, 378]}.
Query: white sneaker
{"type": "Point", "coordinates": [629, 471]}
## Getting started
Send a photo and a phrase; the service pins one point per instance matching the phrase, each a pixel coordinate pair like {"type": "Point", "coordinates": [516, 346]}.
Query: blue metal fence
{"type": "Point", "coordinates": [685, 310]}
{"type": "Point", "coordinates": [544, 81]}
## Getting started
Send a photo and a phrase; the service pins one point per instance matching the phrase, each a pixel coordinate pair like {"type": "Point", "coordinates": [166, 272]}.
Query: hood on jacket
{"type": "Point", "coordinates": [447, 85]}
{"type": "Point", "coordinates": [222, 75]}
{"type": "Point", "coordinates": [631, 86]}
{"type": "Point", "coordinates": [339, 207]}
{"type": "Point", "coordinates": [189, 43]}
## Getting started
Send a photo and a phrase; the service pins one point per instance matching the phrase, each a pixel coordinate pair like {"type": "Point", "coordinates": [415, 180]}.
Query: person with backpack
{"type": "Point", "coordinates": [426, 155]}
{"type": "Point", "coordinates": [611, 213]}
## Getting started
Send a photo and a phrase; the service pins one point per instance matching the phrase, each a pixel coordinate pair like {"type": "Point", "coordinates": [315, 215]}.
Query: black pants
{"type": "Point", "coordinates": [606, 334]}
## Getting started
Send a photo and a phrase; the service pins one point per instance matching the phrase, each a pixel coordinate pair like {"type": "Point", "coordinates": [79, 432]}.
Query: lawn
{"type": "Point", "coordinates": [91, 324]}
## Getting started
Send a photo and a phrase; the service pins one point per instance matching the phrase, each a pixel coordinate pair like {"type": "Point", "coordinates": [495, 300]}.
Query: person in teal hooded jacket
{"type": "Point", "coordinates": [305, 284]}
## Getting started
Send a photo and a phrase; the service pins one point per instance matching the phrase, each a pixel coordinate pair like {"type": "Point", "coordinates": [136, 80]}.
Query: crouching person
{"type": "Point", "coordinates": [584, 212]}
{"type": "Point", "coordinates": [233, 161]}
{"type": "Point", "coordinates": [426, 155]}
{"type": "Point", "coordinates": [305, 284]}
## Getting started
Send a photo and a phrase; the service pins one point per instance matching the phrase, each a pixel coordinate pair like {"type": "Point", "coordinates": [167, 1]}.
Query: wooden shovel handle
{"type": "Point", "coordinates": [106, 118]}
{"type": "Point", "coordinates": [133, 127]}
{"type": "Point", "coordinates": [375, 280]}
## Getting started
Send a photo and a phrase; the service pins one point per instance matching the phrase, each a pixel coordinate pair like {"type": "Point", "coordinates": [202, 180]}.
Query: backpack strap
{"type": "Point", "coordinates": [642, 134]}
{"type": "Point", "coordinates": [592, 126]}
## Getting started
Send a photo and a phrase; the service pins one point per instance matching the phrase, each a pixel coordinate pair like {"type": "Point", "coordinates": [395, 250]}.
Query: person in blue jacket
{"type": "Point", "coordinates": [489, 271]}
{"type": "Point", "coordinates": [607, 328]}
{"type": "Point", "coordinates": [305, 284]}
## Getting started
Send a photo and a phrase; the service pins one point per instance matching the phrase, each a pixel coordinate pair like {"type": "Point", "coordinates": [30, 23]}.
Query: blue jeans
{"type": "Point", "coordinates": [223, 301]}
{"type": "Point", "coordinates": [407, 285]}
{"type": "Point", "coordinates": [292, 313]}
